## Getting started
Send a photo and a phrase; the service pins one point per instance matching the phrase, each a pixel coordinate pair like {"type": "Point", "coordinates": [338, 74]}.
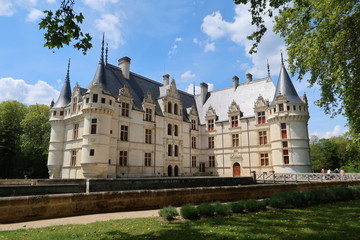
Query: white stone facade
{"type": "Point", "coordinates": [151, 129]}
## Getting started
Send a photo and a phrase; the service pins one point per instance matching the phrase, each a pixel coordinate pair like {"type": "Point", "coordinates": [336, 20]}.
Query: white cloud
{"type": "Point", "coordinates": [337, 131]}
{"type": "Point", "coordinates": [98, 5]}
{"type": "Point", "coordinates": [196, 41]}
{"type": "Point", "coordinates": [17, 89]}
{"type": "Point", "coordinates": [190, 88]}
{"type": "Point", "coordinates": [51, 1]}
{"type": "Point", "coordinates": [34, 15]}
{"type": "Point", "coordinates": [6, 8]}
{"type": "Point", "coordinates": [188, 75]}
{"type": "Point", "coordinates": [179, 39]}
{"type": "Point", "coordinates": [174, 48]}
{"type": "Point", "coordinates": [110, 24]}
{"type": "Point", "coordinates": [215, 27]}
{"type": "Point", "coordinates": [209, 47]}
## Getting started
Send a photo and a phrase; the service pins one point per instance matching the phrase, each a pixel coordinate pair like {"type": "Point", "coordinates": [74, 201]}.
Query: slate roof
{"type": "Point", "coordinates": [65, 94]}
{"type": "Point", "coordinates": [245, 96]}
{"type": "Point", "coordinates": [286, 88]}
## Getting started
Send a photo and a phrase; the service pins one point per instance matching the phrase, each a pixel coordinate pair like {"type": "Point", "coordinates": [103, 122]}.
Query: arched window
{"type": "Point", "coordinates": [169, 107]}
{"type": "Point", "coordinates": [176, 130]}
{"type": "Point", "coordinates": [175, 109]}
{"type": "Point", "coordinates": [169, 129]}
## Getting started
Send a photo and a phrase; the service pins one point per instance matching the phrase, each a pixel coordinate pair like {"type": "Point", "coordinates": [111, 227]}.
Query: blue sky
{"type": "Point", "coordinates": [192, 40]}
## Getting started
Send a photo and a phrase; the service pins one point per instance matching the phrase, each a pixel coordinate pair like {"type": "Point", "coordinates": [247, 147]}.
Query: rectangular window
{"type": "Point", "coordinates": [176, 130]}
{"type": "Point", "coordinates": [235, 140]}
{"type": "Point", "coordinates": [211, 141]}
{"type": "Point", "coordinates": [234, 121]}
{"type": "Point", "coordinates": [124, 133]}
{"type": "Point", "coordinates": [285, 144]}
{"type": "Point", "coordinates": [148, 114]}
{"type": "Point", "coordinates": [202, 167]}
{"type": "Point", "coordinates": [283, 131]}
{"type": "Point", "coordinates": [193, 142]}
{"type": "Point", "coordinates": [54, 113]}
{"type": "Point", "coordinates": [95, 98]}
{"type": "Point", "coordinates": [211, 125]}
{"type": "Point", "coordinates": [286, 156]}
{"type": "Point", "coordinates": [211, 161]}
{"type": "Point", "coordinates": [125, 109]}
{"type": "Point", "coordinates": [281, 107]}
{"type": "Point", "coordinates": [87, 100]}
{"type": "Point", "coordinates": [76, 131]}
{"type": "Point", "coordinates": [123, 157]}
{"type": "Point", "coordinates": [102, 100]}
{"type": "Point", "coordinates": [61, 113]}
{"type": "Point", "coordinates": [264, 159]}
{"type": "Point", "coordinates": [193, 161]}
{"type": "Point", "coordinates": [148, 136]}
{"type": "Point", "coordinates": [93, 126]}
{"type": "Point", "coordinates": [73, 158]}
{"type": "Point", "coordinates": [261, 118]}
{"type": "Point", "coordinates": [262, 138]}
{"type": "Point", "coordinates": [193, 124]}
{"type": "Point", "coordinates": [92, 152]}
{"type": "Point", "coordinates": [169, 129]}
{"type": "Point", "coordinates": [147, 159]}
{"type": "Point", "coordinates": [176, 150]}
{"type": "Point", "coordinates": [169, 150]}
{"type": "Point", "coordinates": [110, 102]}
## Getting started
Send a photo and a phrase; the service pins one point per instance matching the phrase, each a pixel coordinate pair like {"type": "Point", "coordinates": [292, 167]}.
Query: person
{"type": "Point", "coordinates": [328, 174]}
{"type": "Point", "coordinates": [336, 170]}
{"type": "Point", "coordinates": [322, 171]}
{"type": "Point", "coordinates": [342, 174]}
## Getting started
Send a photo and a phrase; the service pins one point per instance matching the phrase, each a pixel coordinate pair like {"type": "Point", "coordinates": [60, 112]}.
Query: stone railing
{"type": "Point", "coordinates": [272, 177]}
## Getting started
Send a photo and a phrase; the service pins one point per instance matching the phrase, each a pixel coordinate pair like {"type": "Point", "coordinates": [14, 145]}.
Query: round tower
{"type": "Point", "coordinates": [288, 119]}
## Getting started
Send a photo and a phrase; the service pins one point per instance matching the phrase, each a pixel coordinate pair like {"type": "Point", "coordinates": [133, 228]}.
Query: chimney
{"type": "Point", "coordinates": [248, 77]}
{"type": "Point", "coordinates": [166, 79]}
{"type": "Point", "coordinates": [235, 81]}
{"type": "Point", "coordinates": [204, 91]}
{"type": "Point", "coordinates": [124, 65]}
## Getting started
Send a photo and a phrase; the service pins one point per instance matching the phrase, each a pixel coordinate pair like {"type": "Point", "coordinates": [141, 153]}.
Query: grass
{"type": "Point", "coordinates": [339, 220]}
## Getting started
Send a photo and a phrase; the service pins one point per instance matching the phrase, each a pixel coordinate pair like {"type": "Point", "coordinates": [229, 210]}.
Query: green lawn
{"type": "Point", "coordinates": [329, 221]}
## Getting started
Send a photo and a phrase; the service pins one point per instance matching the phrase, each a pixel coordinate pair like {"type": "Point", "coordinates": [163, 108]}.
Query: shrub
{"type": "Point", "coordinates": [291, 199]}
{"type": "Point", "coordinates": [189, 211]}
{"type": "Point", "coordinates": [168, 213]}
{"type": "Point", "coordinates": [237, 207]}
{"type": "Point", "coordinates": [355, 191]}
{"type": "Point", "coordinates": [221, 209]}
{"type": "Point", "coordinates": [253, 205]}
{"type": "Point", "coordinates": [342, 193]}
{"type": "Point", "coordinates": [206, 209]}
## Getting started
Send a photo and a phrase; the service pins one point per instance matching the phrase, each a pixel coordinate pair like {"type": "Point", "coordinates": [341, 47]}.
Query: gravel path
{"type": "Point", "coordinates": [78, 219]}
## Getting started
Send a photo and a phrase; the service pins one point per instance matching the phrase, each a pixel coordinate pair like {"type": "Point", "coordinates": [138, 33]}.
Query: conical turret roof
{"type": "Point", "coordinates": [65, 94]}
{"type": "Point", "coordinates": [286, 88]}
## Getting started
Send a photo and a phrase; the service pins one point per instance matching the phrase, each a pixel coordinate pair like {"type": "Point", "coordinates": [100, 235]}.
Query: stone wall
{"type": "Point", "coordinates": [19, 209]}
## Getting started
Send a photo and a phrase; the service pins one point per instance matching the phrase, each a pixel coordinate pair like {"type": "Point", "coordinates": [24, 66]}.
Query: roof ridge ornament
{"type": "Point", "coordinates": [282, 59]}
{"type": "Point", "coordinates": [106, 53]}
{"type": "Point", "coordinates": [102, 49]}
{"type": "Point", "coordinates": [67, 77]}
{"type": "Point", "coordinates": [268, 67]}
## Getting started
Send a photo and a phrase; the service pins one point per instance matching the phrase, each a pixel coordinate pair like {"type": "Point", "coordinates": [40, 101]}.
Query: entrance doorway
{"type": "Point", "coordinates": [176, 171]}
{"type": "Point", "coordinates": [236, 170]}
{"type": "Point", "coordinates": [169, 171]}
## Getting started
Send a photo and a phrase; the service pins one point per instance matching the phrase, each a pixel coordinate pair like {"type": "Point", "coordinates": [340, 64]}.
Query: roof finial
{"type": "Point", "coordinates": [67, 78]}
{"type": "Point", "coordinates": [282, 59]}
{"type": "Point", "coordinates": [102, 49]}
{"type": "Point", "coordinates": [194, 88]}
{"type": "Point", "coordinates": [268, 67]}
{"type": "Point", "coordinates": [106, 53]}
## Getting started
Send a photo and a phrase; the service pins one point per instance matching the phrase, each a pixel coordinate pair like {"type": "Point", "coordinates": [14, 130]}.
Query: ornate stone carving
{"type": "Point", "coordinates": [148, 98]}
{"type": "Point", "coordinates": [210, 113]}
{"type": "Point", "coordinates": [125, 92]}
{"type": "Point", "coordinates": [234, 108]}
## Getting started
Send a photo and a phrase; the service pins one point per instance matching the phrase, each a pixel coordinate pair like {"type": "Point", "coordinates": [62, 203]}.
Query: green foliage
{"type": "Point", "coordinates": [168, 213]}
{"type": "Point", "coordinates": [355, 191]}
{"type": "Point", "coordinates": [290, 199]}
{"type": "Point", "coordinates": [222, 209]}
{"type": "Point", "coordinates": [189, 211]}
{"type": "Point", "coordinates": [238, 207]}
{"type": "Point", "coordinates": [206, 209]}
{"type": "Point", "coordinates": [322, 39]}
{"type": "Point", "coordinates": [63, 26]}
{"type": "Point", "coordinates": [253, 205]}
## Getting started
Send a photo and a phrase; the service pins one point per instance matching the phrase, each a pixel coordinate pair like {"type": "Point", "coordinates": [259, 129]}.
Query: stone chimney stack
{"type": "Point", "coordinates": [166, 79]}
{"type": "Point", "coordinates": [124, 65]}
{"type": "Point", "coordinates": [248, 77]}
{"type": "Point", "coordinates": [204, 91]}
{"type": "Point", "coordinates": [235, 82]}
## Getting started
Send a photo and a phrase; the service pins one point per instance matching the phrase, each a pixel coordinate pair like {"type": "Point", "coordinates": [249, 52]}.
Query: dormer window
{"type": "Point", "coordinates": [193, 124]}
{"type": "Point", "coordinates": [169, 107]}
{"type": "Point", "coordinates": [95, 98]}
{"type": "Point", "coordinates": [234, 121]}
{"type": "Point", "coordinates": [281, 107]}
{"type": "Point", "coordinates": [169, 129]}
{"type": "Point", "coordinates": [125, 109]}
{"type": "Point", "coordinates": [74, 104]}
{"type": "Point", "coordinates": [175, 109]}
{"type": "Point", "coordinates": [148, 114]}
{"type": "Point", "coordinates": [261, 117]}
{"type": "Point", "coordinates": [210, 124]}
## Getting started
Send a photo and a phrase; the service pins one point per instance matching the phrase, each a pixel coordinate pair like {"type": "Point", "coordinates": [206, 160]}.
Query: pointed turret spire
{"type": "Point", "coordinates": [285, 87]}
{"type": "Point", "coordinates": [65, 94]}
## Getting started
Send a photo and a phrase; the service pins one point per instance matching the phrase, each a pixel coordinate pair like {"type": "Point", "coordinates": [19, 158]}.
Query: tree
{"type": "Point", "coordinates": [63, 26]}
{"type": "Point", "coordinates": [323, 39]}
{"type": "Point", "coordinates": [35, 141]}
{"type": "Point", "coordinates": [11, 114]}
